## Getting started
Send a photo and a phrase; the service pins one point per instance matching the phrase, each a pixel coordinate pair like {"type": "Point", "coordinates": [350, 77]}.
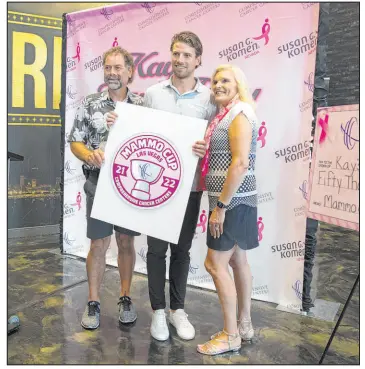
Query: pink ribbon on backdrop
{"type": "Point", "coordinates": [324, 125]}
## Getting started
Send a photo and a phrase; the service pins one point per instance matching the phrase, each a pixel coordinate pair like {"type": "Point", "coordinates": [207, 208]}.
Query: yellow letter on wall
{"type": "Point", "coordinates": [57, 51]}
{"type": "Point", "coordinates": [20, 69]}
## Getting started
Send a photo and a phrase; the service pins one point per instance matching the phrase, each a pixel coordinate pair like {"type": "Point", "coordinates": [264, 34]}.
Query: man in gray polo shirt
{"type": "Point", "coordinates": [181, 94]}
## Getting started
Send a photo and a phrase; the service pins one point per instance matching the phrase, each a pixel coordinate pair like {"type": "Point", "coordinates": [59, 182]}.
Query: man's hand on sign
{"type": "Point", "coordinates": [199, 148]}
{"type": "Point", "coordinates": [96, 158]}
{"type": "Point", "coordinates": [111, 117]}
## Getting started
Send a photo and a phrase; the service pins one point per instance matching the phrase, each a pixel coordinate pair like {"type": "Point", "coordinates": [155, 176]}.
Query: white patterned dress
{"type": "Point", "coordinates": [241, 216]}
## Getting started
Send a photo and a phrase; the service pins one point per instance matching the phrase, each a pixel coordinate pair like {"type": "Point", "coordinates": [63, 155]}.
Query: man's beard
{"type": "Point", "coordinates": [114, 83]}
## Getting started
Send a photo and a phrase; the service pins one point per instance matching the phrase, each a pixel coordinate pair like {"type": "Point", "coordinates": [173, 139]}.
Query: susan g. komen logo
{"type": "Point", "coordinates": [202, 225]}
{"type": "Point", "coordinates": [265, 30]}
{"type": "Point", "coordinates": [74, 59]}
{"type": "Point", "coordinates": [78, 51]}
{"type": "Point", "coordinates": [262, 134]}
{"type": "Point", "coordinates": [150, 7]}
{"type": "Point", "coordinates": [147, 171]}
{"type": "Point", "coordinates": [77, 204]}
{"type": "Point", "coordinates": [115, 42]}
{"type": "Point", "coordinates": [70, 209]}
{"type": "Point", "coordinates": [260, 228]}
{"type": "Point", "coordinates": [350, 133]}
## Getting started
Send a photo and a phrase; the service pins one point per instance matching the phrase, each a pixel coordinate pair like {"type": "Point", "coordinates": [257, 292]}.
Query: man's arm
{"type": "Point", "coordinates": [91, 157]}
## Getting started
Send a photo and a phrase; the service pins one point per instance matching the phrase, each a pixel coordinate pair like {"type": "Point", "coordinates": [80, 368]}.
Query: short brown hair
{"type": "Point", "coordinates": [128, 58]}
{"type": "Point", "coordinates": [190, 39]}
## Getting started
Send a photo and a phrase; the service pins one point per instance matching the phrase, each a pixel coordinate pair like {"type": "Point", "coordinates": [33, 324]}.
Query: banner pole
{"type": "Point", "coordinates": [63, 119]}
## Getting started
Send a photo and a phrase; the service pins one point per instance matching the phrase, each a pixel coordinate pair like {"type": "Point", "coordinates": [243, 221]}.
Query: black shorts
{"type": "Point", "coordinates": [97, 229]}
{"type": "Point", "coordinates": [239, 228]}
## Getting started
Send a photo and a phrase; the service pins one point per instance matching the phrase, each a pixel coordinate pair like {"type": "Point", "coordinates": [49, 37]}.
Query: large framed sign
{"type": "Point", "coordinates": [334, 175]}
{"type": "Point", "coordinates": [149, 168]}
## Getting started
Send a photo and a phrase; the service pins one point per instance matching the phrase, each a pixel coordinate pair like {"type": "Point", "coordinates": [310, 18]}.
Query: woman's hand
{"type": "Point", "coordinates": [216, 221]}
{"type": "Point", "coordinates": [199, 148]}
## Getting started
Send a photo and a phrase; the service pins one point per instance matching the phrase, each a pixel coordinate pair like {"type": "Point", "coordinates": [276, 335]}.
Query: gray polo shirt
{"type": "Point", "coordinates": [196, 103]}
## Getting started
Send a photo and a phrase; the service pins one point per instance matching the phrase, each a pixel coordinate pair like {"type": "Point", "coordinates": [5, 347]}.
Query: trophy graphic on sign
{"type": "Point", "coordinates": [145, 173]}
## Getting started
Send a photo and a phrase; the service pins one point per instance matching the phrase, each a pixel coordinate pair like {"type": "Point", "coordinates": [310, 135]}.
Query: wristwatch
{"type": "Point", "coordinates": [220, 205]}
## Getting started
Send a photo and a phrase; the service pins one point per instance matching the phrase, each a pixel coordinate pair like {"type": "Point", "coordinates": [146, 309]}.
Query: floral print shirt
{"type": "Point", "coordinates": [90, 120]}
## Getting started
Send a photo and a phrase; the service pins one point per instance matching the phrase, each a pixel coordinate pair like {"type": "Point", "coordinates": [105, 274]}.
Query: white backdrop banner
{"type": "Point", "coordinates": [275, 45]}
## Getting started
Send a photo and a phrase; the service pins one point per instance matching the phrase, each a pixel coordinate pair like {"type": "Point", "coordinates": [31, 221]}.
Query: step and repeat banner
{"type": "Point", "coordinates": [275, 45]}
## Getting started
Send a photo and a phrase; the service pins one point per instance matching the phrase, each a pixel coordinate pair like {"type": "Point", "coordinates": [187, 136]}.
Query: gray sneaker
{"type": "Point", "coordinates": [91, 316]}
{"type": "Point", "coordinates": [127, 313]}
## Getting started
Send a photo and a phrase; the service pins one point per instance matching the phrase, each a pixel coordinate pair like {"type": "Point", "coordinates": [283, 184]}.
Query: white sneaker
{"type": "Point", "coordinates": [159, 329]}
{"type": "Point", "coordinates": [180, 321]}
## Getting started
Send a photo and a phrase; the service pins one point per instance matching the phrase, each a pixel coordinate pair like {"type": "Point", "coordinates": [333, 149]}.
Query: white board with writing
{"type": "Point", "coordinates": [146, 179]}
{"type": "Point", "coordinates": [334, 175]}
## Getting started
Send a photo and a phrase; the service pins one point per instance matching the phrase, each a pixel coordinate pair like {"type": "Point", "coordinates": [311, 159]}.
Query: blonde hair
{"type": "Point", "coordinates": [240, 78]}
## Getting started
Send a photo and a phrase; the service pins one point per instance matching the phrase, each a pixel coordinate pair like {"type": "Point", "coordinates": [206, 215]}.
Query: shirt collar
{"type": "Point", "coordinates": [105, 95]}
{"type": "Point", "coordinates": [197, 88]}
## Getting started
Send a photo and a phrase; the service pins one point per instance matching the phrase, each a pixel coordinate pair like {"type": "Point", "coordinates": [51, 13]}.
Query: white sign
{"type": "Point", "coordinates": [149, 168]}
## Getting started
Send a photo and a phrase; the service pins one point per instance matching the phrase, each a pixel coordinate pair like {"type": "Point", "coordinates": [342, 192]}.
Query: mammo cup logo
{"type": "Point", "coordinates": [147, 171]}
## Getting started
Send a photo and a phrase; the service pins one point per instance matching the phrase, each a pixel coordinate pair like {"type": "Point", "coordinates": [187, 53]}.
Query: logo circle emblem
{"type": "Point", "coordinates": [146, 171]}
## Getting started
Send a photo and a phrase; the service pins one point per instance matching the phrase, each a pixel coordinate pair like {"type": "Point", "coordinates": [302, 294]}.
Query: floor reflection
{"type": "Point", "coordinates": [48, 292]}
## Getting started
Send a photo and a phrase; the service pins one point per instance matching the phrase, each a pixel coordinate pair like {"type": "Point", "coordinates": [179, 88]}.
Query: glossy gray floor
{"type": "Point", "coordinates": [48, 291]}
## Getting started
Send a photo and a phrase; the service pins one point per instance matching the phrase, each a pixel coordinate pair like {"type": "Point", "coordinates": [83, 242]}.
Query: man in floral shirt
{"type": "Point", "coordinates": [86, 138]}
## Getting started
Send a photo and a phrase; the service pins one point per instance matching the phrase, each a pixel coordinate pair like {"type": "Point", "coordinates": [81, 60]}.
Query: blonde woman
{"type": "Point", "coordinates": [229, 173]}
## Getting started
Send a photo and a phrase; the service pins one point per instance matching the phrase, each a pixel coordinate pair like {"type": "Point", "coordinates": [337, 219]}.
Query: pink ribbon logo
{"type": "Point", "coordinates": [262, 135]}
{"type": "Point", "coordinates": [265, 32]}
{"type": "Point", "coordinates": [78, 49]}
{"type": "Point", "coordinates": [115, 43]}
{"type": "Point", "coordinates": [323, 123]}
{"type": "Point", "coordinates": [203, 221]}
{"type": "Point", "coordinates": [260, 226]}
{"type": "Point", "coordinates": [78, 201]}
